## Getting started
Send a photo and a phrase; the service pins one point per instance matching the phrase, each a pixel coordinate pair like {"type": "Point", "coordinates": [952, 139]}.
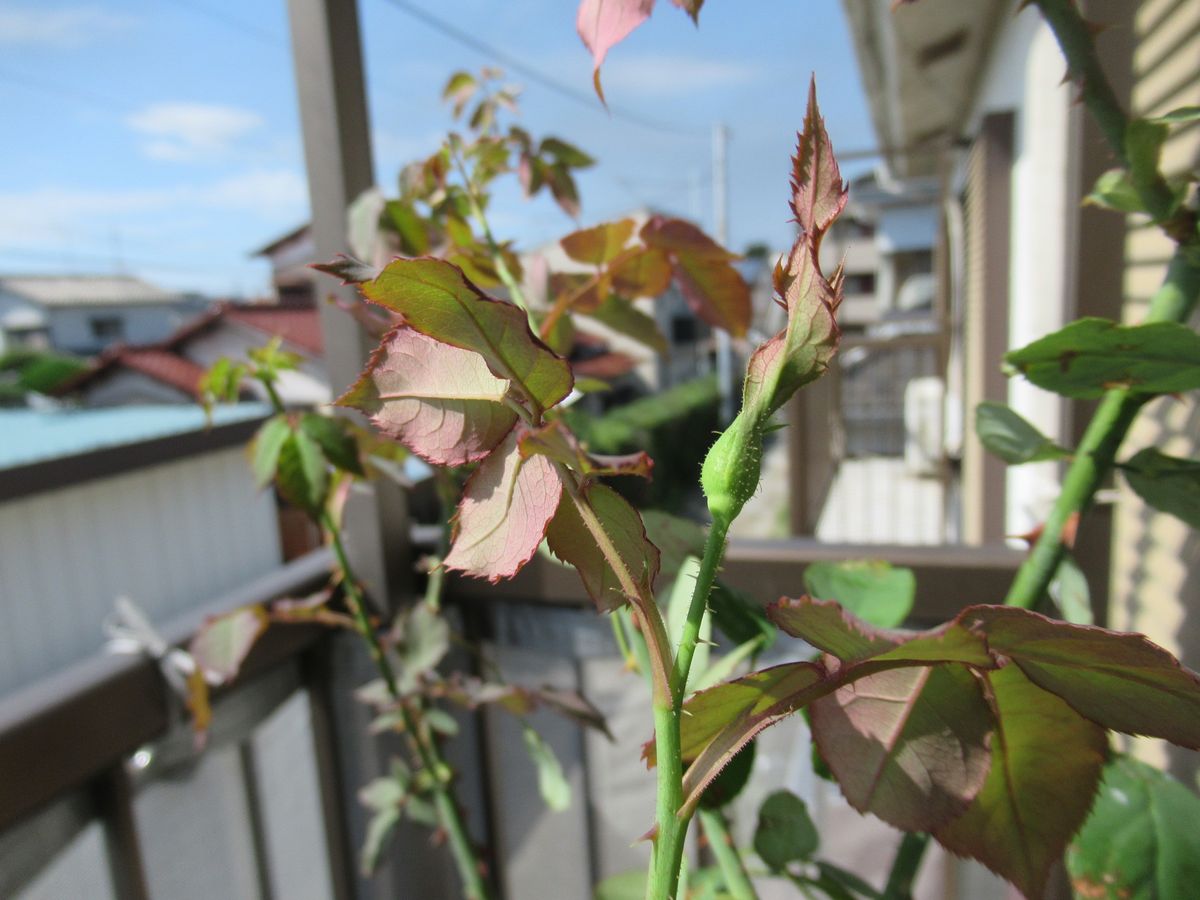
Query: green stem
{"type": "Point", "coordinates": [428, 752]}
{"type": "Point", "coordinates": [904, 868]}
{"type": "Point", "coordinates": [516, 294]}
{"type": "Point", "coordinates": [737, 882]}
{"type": "Point", "coordinates": [714, 551]}
{"type": "Point", "coordinates": [1093, 461]}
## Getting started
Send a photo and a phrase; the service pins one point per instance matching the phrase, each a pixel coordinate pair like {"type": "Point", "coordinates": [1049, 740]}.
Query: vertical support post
{"type": "Point", "coordinates": [816, 444]}
{"type": "Point", "coordinates": [337, 152]}
{"type": "Point", "coordinates": [113, 794]}
{"type": "Point", "coordinates": [721, 226]}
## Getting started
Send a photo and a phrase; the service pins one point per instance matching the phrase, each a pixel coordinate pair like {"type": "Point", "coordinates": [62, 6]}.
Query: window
{"type": "Point", "coordinates": [107, 328]}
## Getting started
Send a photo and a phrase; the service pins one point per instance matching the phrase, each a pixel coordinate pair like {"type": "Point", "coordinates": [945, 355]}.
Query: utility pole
{"type": "Point", "coordinates": [720, 144]}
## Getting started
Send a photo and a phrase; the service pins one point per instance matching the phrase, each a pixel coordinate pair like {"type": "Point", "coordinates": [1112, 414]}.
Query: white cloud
{"type": "Point", "coordinates": [664, 76]}
{"type": "Point", "coordinates": [192, 132]}
{"type": "Point", "coordinates": [270, 193]}
{"type": "Point", "coordinates": [66, 27]}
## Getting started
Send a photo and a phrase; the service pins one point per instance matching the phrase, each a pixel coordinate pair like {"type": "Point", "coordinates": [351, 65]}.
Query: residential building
{"type": "Point", "coordinates": [84, 314]}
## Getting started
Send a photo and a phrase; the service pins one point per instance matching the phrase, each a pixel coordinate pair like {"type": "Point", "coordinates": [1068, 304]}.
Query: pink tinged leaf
{"type": "Point", "coordinates": [691, 7]}
{"type": "Point", "coordinates": [819, 196]}
{"type": "Point", "coordinates": [504, 512]}
{"type": "Point", "coordinates": [703, 269]}
{"type": "Point", "coordinates": [440, 401]}
{"type": "Point", "coordinates": [600, 244]}
{"type": "Point", "coordinates": [556, 442]}
{"type": "Point", "coordinates": [831, 629]}
{"type": "Point", "coordinates": [1046, 765]}
{"type": "Point", "coordinates": [604, 23]}
{"type": "Point", "coordinates": [435, 298]}
{"type": "Point", "coordinates": [908, 745]}
{"type": "Point", "coordinates": [573, 543]}
{"type": "Point", "coordinates": [222, 643]}
{"type": "Point", "coordinates": [1121, 681]}
{"type": "Point", "coordinates": [645, 273]}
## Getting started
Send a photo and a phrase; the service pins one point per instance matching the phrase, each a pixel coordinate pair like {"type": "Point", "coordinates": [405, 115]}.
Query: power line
{"type": "Point", "coordinates": [252, 31]}
{"type": "Point", "coordinates": [534, 74]}
{"type": "Point", "coordinates": [61, 89]}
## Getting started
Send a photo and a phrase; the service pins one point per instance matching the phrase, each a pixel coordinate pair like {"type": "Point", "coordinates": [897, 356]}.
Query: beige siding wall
{"type": "Point", "coordinates": [1156, 582]}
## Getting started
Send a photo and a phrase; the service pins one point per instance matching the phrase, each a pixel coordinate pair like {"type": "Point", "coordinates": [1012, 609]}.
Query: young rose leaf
{"type": "Point", "coordinates": [726, 787]}
{"type": "Point", "coordinates": [556, 442]}
{"type": "Point", "coordinates": [572, 542]}
{"type": "Point", "coordinates": [1010, 437]}
{"type": "Point", "coordinates": [436, 299]}
{"type": "Point", "coordinates": [223, 642]}
{"type": "Point", "coordinates": [459, 89]}
{"type": "Point", "coordinates": [422, 638]}
{"type": "Point", "coordinates": [563, 189]}
{"type": "Point", "coordinates": [1180, 116]}
{"type": "Point", "coordinates": [833, 630]}
{"type": "Point", "coordinates": [1069, 590]}
{"type": "Point", "coordinates": [691, 7]}
{"type": "Point", "coordinates": [338, 445]}
{"type": "Point", "coordinates": [785, 832]}
{"type": "Point", "coordinates": [1120, 681]}
{"type": "Point", "coordinates": [873, 590]}
{"type": "Point", "coordinates": [1168, 483]}
{"type": "Point", "coordinates": [440, 401]}
{"type": "Point", "coordinates": [704, 271]}
{"type": "Point", "coordinates": [1091, 355]}
{"type": "Point", "coordinates": [552, 783]}
{"type": "Point", "coordinates": [624, 318]}
{"type": "Point", "coordinates": [604, 23]}
{"type": "Point", "coordinates": [264, 449]}
{"type": "Point", "coordinates": [1114, 190]}
{"type": "Point", "coordinates": [1138, 842]}
{"type": "Point", "coordinates": [799, 353]}
{"type": "Point", "coordinates": [414, 239]}
{"type": "Point", "coordinates": [598, 245]}
{"type": "Point", "coordinates": [677, 538]}
{"type": "Point", "coordinates": [641, 273]}
{"type": "Point", "coordinates": [505, 510]}
{"type": "Point", "coordinates": [909, 745]}
{"type": "Point", "coordinates": [1046, 761]}
{"type": "Point", "coordinates": [301, 474]}
{"type": "Point", "coordinates": [565, 154]}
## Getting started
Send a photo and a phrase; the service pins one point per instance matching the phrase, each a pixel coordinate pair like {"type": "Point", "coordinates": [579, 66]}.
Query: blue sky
{"type": "Point", "coordinates": [161, 137]}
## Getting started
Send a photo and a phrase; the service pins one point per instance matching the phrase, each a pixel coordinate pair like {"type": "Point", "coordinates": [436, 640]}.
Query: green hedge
{"type": "Point", "coordinates": [23, 370]}
{"type": "Point", "coordinates": [675, 427]}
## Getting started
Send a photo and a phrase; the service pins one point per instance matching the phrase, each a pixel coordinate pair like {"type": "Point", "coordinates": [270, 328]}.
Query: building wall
{"type": "Point", "coordinates": [127, 387]}
{"type": "Point", "coordinates": [307, 385]}
{"type": "Point", "coordinates": [169, 537]}
{"type": "Point", "coordinates": [71, 327]}
{"type": "Point", "coordinates": [1156, 580]}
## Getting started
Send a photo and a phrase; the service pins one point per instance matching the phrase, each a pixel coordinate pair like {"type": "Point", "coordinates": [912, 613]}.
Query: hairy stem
{"type": "Point", "coordinates": [714, 552]}
{"type": "Point", "coordinates": [716, 829]}
{"type": "Point", "coordinates": [516, 294]}
{"type": "Point", "coordinates": [428, 753]}
{"type": "Point", "coordinates": [904, 868]}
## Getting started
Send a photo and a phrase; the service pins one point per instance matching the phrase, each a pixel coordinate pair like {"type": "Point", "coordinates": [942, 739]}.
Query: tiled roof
{"type": "Point", "coordinates": [298, 325]}
{"type": "Point", "coordinates": [164, 366]}
{"type": "Point", "coordinates": [605, 366]}
{"type": "Point", "coordinates": [87, 290]}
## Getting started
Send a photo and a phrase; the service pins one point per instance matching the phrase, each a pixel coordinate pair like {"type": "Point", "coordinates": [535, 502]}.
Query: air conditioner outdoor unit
{"type": "Point", "coordinates": [923, 425]}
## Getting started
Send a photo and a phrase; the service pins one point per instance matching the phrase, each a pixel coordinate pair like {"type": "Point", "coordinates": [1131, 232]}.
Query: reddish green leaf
{"type": "Point", "coordinates": [829, 628]}
{"type": "Point", "coordinates": [555, 441]}
{"type": "Point", "coordinates": [563, 189]}
{"type": "Point", "coordinates": [347, 269]}
{"type": "Point", "coordinates": [1046, 762]}
{"type": "Point", "coordinates": [704, 271]}
{"type": "Point", "coordinates": [644, 273]}
{"type": "Point", "coordinates": [436, 299]}
{"type": "Point", "coordinates": [604, 23]}
{"type": "Point", "coordinates": [818, 193]}
{"type": "Point", "coordinates": [459, 89]}
{"type": "Point", "coordinates": [504, 512]}
{"type": "Point", "coordinates": [600, 244]}
{"type": "Point", "coordinates": [221, 644]}
{"type": "Point", "coordinates": [691, 7]}
{"type": "Point", "coordinates": [1168, 483]}
{"type": "Point", "coordinates": [909, 745]}
{"type": "Point", "coordinates": [1120, 681]}
{"type": "Point", "coordinates": [566, 154]}
{"type": "Point", "coordinates": [572, 542]}
{"type": "Point", "coordinates": [438, 400]}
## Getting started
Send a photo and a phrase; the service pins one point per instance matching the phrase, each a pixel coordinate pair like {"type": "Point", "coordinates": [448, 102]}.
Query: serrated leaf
{"type": "Point", "coordinates": [557, 443]}
{"type": "Point", "coordinates": [414, 240]}
{"type": "Point", "coordinates": [440, 401]}
{"type": "Point", "coordinates": [1168, 483]}
{"type": "Point", "coordinates": [712, 287]}
{"type": "Point", "coordinates": [1121, 681]}
{"type": "Point", "coordinates": [1114, 190]}
{"type": "Point", "coordinates": [505, 510]}
{"type": "Point", "coordinates": [223, 642]}
{"type": "Point", "coordinates": [874, 591]}
{"type": "Point", "coordinates": [785, 832]}
{"type": "Point", "coordinates": [436, 299]}
{"type": "Point", "coordinates": [459, 89]}
{"type": "Point", "coordinates": [552, 783]}
{"type": "Point", "coordinates": [1046, 761]}
{"type": "Point", "coordinates": [624, 318]}
{"type": "Point", "coordinates": [600, 244]}
{"type": "Point", "coordinates": [1091, 355]}
{"type": "Point", "coordinates": [572, 542]}
{"type": "Point", "coordinates": [909, 745]}
{"type": "Point", "coordinates": [264, 450]}
{"type": "Point", "coordinates": [1139, 843]}
{"type": "Point", "coordinates": [1003, 432]}
{"type": "Point", "coordinates": [641, 273]}
{"type": "Point", "coordinates": [732, 779]}
{"type": "Point", "coordinates": [338, 445]}
{"type": "Point", "coordinates": [301, 474]}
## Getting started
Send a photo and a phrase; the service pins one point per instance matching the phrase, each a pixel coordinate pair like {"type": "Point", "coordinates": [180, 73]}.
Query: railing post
{"type": "Point", "coordinates": [815, 444]}
{"type": "Point", "coordinates": [113, 795]}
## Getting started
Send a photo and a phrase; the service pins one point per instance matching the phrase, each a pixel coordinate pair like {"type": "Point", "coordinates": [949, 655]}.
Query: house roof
{"type": "Point", "coordinates": [299, 325]}
{"type": "Point", "coordinates": [87, 290]}
{"type": "Point", "coordinates": [165, 366]}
